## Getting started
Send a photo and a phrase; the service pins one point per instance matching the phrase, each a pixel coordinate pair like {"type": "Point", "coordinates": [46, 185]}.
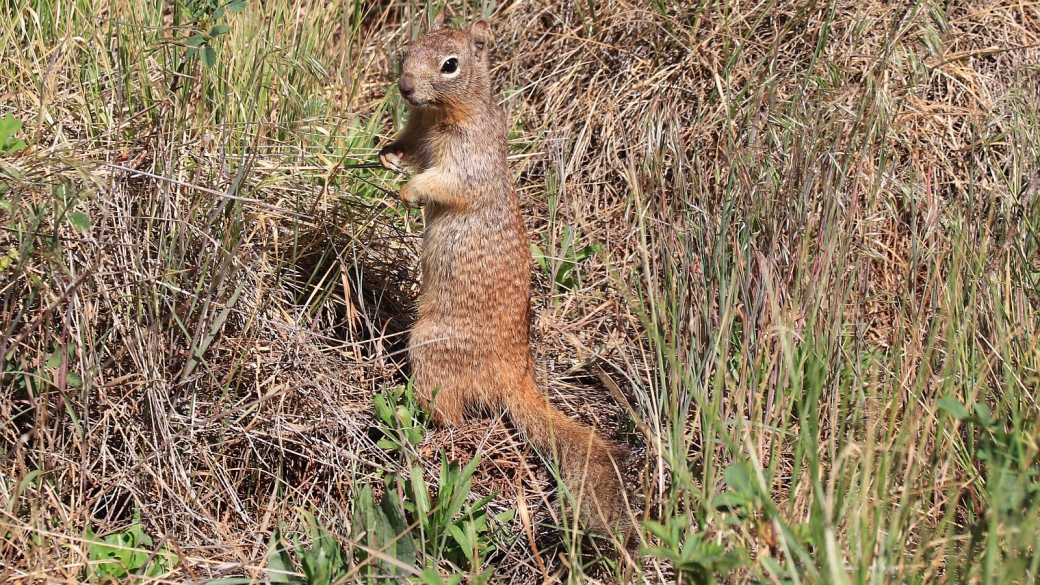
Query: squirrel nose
{"type": "Point", "coordinates": [406, 84]}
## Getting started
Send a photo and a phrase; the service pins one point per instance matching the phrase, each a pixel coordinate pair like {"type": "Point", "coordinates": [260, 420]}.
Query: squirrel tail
{"type": "Point", "coordinates": [588, 464]}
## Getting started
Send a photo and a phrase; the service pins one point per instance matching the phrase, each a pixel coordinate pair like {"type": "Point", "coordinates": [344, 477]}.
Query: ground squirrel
{"type": "Point", "coordinates": [470, 348]}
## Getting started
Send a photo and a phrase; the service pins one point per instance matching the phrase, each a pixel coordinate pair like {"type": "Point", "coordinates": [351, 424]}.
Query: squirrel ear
{"type": "Point", "coordinates": [438, 21]}
{"type": "Point", "coordinates": [480, 34]}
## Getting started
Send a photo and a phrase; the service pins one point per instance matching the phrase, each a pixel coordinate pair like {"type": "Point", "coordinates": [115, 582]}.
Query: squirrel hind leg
{"type": "Point", "coordinates": [447, 405]}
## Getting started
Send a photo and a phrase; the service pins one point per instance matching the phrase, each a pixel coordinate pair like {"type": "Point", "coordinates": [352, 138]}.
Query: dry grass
{"type": "Point", "coordinates": [817, 219]}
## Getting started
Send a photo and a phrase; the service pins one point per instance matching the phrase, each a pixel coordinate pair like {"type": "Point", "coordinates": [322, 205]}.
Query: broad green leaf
{"type": "Point", "coordinates": [324, 561]}
{"type": "Point", "coordinates": [660, 531]}
{"type": "Point", "coordinates": [738, 478]}
{"type": "Point", "coordinates": [9, 125]}
{"type": "Point", "coordinates": [415, 434]}
{"type": "Point", "coordinates": [728, 501]}
{"type": "Point", "coordinates": [459, 536]}
{"type": "Point", "coordinates": [383, 410]}
{"type": "Point", "coordinates": [953, 407]}
{"type": "Point", "coordinates": [80, 221]}
{"type": "Point", "coordinates": [982, 412]}
{"type": "Point", "coordinates": [209, 57]}
{"type": "Point", "coordinates": [12, 147]}
{"type": "Point", "coordinates": [278, 560]}
{"type": "Point", "coordinates": [396, 540]}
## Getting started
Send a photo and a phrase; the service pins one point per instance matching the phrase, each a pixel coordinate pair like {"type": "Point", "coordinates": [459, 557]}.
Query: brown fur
{"type": "Point", "coordinates": [470, 348]}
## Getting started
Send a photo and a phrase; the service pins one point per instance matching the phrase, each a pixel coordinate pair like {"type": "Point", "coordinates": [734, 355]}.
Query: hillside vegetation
{"type": "Point", "coordinates": [786, 251]}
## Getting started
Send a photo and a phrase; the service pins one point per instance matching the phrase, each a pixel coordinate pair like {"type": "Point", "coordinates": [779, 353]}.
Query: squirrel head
{"type": "Point", "coordinates": [446, 68]}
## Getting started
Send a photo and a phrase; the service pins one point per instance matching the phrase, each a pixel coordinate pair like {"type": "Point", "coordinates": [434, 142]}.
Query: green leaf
{"type": "Point", "coordinates": [163, 562]}
{"type": "Point", "coordinates": [9, 125]}
{"type": "Point", "coordinates": [430, 576]}
{"type": "Point", "coordinates": [209, 57]}
{"type": "Point", "coordinates": [467, 472]}
{"type": "Point", "coordinates": [588, 251]}
{"type": "Point", "coordinates": [506, 517]}
{"type": "Point", "coordinates": [415, 434]}
{"type": "Point", "coordinates": [366, 518]}
{"type": "Point", "coordinates": [664, 553]}
{"type": "Point", "coordinates": [563, 275]}
{"type": "Point", "coordinates": [120, 554]}
{"type": "Point", "coordinates": [324, 561]}
{"type": "Point", "coordinates": [953, 406]}
{"type": "Point", "coordinates": [773, 565]}
{"type": "Point", "coordinates": [738, 478]}
{"type": "Point", "coordinates": [383, 410]}
{"type": "Point", "coordinates": [397, 540]}
{"type": "Point", "coordinates": [80, 221]}
{"type": "Point", "coordinates": [983, 413]}
{"type": "Point", "coordinates": [457, 497]}
{"type": "Point", "coordinates": [278, 559]}
{"type": "Point", "coordinates": [730, 501]}
{"type": "Point", "coordinates": [661, 531]}
{"type": "Point", "coordinates": [196, 41]}
{"type": "Point", "coordinates": [218, 30]}
{"type": "Point", "coordinates": [63, 193]}
{"type": "Point", "coordinates": [420, 494]}
{"type": "Point", "coordinates": [459, 536]}
{"type": "Point", "coordinates": [383, 528]}
{"type": "Point", "coordinates": [13, 147]}
{"type": "Point", "coordinates": [476, 508]}
{"type": "Point", "coordinates": [539, 257]}
{"type": "Point", "coordinates": [236, 6]}
{"type": "Point", "coordinates": [403, 416]}
{"type": "Point", "coordinates": [483, 578]}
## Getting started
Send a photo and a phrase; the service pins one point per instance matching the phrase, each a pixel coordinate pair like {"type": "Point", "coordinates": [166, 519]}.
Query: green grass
{"type": "Point", "coordinates": [800, 239]}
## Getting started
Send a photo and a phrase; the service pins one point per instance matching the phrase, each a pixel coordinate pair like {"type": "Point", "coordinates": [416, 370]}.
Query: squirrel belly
{"type": "Point", "coordinates": [470, 347]}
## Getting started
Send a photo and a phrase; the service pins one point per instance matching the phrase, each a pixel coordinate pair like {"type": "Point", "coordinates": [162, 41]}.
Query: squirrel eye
{"type": "Point", "coordinates": [450, 65]}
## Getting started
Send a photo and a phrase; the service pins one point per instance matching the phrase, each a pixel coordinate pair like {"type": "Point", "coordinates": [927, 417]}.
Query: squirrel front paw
{"type": "Point", "coordinates": [410, 196]}
{"type": "Point", "coordinates": [392, 158]}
